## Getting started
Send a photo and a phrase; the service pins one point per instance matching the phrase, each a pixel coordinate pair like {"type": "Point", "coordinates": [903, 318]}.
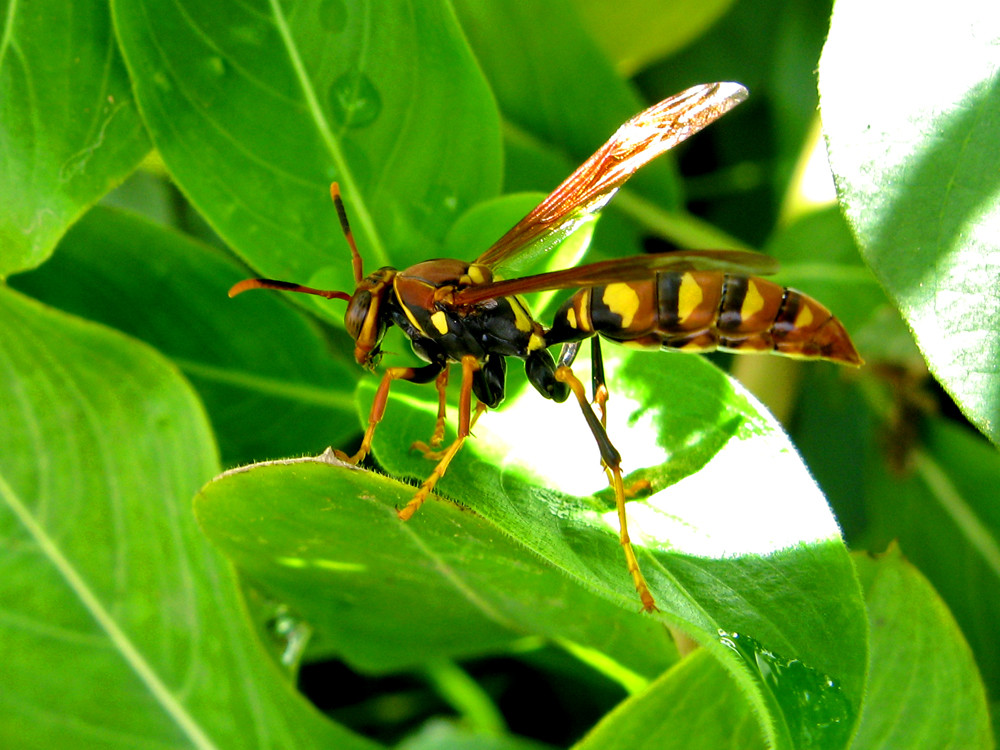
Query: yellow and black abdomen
{"type": "Point", "coordinates": [701, 311]}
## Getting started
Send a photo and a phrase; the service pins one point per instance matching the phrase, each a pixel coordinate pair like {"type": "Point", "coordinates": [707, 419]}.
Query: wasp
{"type": "Point", "coordinates": [462, 313]}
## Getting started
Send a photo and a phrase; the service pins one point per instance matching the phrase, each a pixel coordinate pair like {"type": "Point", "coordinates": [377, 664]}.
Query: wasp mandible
{"type": "Point", "coordinates": [457, 312]}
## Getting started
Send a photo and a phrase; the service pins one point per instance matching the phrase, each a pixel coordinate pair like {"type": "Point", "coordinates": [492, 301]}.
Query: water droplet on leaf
{"type": "Point", "coordinates": [354, 101]}
{"type": "Point", "coordinates": [816, 710]}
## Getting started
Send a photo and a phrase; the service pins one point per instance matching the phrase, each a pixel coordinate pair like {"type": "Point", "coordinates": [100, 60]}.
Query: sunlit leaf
{"type": "Point", "coordinates": [914, 151]}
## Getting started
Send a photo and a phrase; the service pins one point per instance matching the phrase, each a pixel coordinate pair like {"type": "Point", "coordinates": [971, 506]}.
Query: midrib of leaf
{"type": "Point", "coordinates": [308, 394]}
{"type": "Point", "coordinates": [360, 215]}
{"type": "Point", "coordinates": [450, 575]}
{"type": "Point", "coordinates": [118, 638]}
{"type": "Point", "coordinates": [8, 30]}
{"type": "Point", "coordinates": [952, 502]}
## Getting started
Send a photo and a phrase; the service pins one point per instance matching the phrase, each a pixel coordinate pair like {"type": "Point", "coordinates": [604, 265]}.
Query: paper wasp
{"type": "Point", "coordinates": [457, 312]}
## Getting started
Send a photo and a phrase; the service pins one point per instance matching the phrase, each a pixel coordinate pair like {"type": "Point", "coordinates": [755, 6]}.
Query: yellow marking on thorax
{"type": "Point", "coordinates": [753, 302]}
{"type": "Point", "coordinates": [571, 317]}
{"type": "Point", "coordinates": [584, 323]}
{"type": "Point", "coordinates": [522, 319]}
{"type": "Point", "coordinates": [623, 301]}
{"type": "Point", "coordinates": [535, 342]}
{"type": "Point", "coordinates": [440, 321]}
{"type": "Point", "coordinates": [804, 318]}
{"type": "Point", "coordinates": [406, 309]}
{"type": "Point", "coordinates": [476, 274]}
{"type": "Point", "coordinates": [689, 296]}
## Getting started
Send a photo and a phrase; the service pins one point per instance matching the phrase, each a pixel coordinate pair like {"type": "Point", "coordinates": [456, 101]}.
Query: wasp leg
{"type": "Point", "coordinates": [465, 420]}
{"type": "Point", "coordinates": [612, 465]}
{"type": "Point", "coordinates": [598, 384]}
{"type": "Point", "coordinates": [413, 374]}
{"type": "Point", "coordinates": [430, 450]}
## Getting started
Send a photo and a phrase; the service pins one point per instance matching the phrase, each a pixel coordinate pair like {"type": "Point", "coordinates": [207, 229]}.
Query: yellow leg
{"type": "Point", "coordinates": [612, 465]}
{"type": "Point", "coordinates": [469, 368]}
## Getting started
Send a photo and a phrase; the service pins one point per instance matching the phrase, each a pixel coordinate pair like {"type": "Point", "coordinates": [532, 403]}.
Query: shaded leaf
{"type": "Point", "coordinates": [916, 162]}
{"type": "Point", "coordinates": [268, 378]}
{"type": "Point", "coordinates": [638, 32]}
{"type": "Point", "coordinates": [559, 89]}
{"type": "Point", "coordinates": [944, 513]}
{"type": "Point", "coordinates": [695, 704]}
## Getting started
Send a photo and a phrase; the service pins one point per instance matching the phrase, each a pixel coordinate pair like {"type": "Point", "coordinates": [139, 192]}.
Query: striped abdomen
{"type": "Point", "coordinates": [700, 311]}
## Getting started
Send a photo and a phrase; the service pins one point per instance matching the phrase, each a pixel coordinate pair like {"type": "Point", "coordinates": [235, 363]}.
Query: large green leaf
{"type": "Point", "coordinates": [272, 393]}
{"type": "Point", "coordinates": [69, 129]}
{"type": "Point", "coordinates": [923, 688]}
{"type": "Point", "coordinates": [120, 627]}
{"type": "Point", "coordinates": [724, 545]}
{"type": "Point", "coordinates": [914, 151]}
{"type": "Point", "coordinates": [257, 107]}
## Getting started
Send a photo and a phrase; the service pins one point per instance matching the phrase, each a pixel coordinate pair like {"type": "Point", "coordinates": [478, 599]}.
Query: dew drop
{"type": "Point", "coordinates": [290, 634]}
{"type": "Point", "coordinates": [815, 707]}
{"type": "Point", "coordinates": [216, 66]}
{"type": "Point", "coordinates": [333, 16]}
{"type": "Point", "coordinates": [354, 101]}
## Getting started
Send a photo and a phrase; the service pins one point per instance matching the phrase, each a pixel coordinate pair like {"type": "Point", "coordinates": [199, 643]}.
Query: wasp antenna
{"type": "Point", "coordinates": [345, 227]}
{"type": "Point", "coordinates": [286, 286]}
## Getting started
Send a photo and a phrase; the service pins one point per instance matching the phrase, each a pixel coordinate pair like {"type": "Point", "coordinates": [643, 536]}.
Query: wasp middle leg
{"type": "Point", "coordinates": [465, 420]}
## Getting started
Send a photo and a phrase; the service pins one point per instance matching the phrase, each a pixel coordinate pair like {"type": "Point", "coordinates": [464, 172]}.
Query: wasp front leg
{"type": "Point", "coordinates": [423, 374]}
{"type": "Point", "coordinates": [465, 420]}
{"type": "Point", "coordinates": [611, 459]}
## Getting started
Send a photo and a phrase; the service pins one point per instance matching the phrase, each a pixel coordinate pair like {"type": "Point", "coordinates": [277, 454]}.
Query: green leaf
{"type": "Point", "coordinates": [69, 129]}
{"type": "Point", "coordinates": [716, 554]}
{"type": "Point", "coordinates": [256, 108]}
{"type": "Point", "coordinates": [121, 628]}
{"type": "Point", "coordinates": [324, 538]}
{"type": "Point", "coordinates": [695, 704]}
{"type": "Point", "coordinates": [914, 151]}
{"type": "Point", "coordinates": [276, 392]}
{"type": "Point", "coordinates": [923, 688]}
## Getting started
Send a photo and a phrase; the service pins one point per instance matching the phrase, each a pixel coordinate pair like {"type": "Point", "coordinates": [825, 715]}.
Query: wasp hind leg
{"type": "Point", "coordinates": [611, 460]}
{"type": "Point", "coordinates": [465, 421]}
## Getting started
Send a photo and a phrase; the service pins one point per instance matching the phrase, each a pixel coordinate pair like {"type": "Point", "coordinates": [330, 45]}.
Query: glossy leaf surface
{"type": "Point", "coordinates": [281, 100]}
{"type": "Point", "coordinates": [69, 129]}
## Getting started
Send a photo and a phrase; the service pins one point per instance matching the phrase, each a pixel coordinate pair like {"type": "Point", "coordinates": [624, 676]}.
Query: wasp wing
{"type": "Point", "coordinates": [636, 268]}
{"type": "Point", "coordinates": [640, 140]}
